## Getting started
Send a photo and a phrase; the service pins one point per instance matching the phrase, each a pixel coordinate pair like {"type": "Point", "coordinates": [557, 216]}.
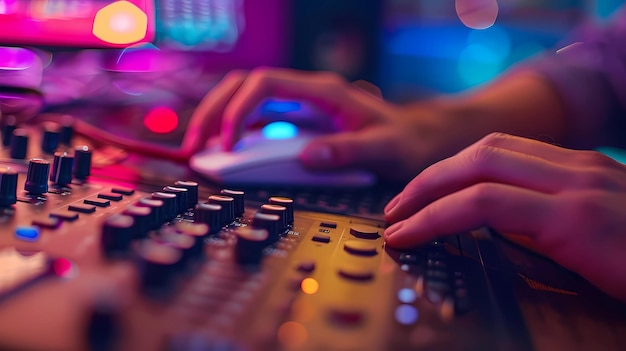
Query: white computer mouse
{"type": "Point", "coordinates": [262, 158]}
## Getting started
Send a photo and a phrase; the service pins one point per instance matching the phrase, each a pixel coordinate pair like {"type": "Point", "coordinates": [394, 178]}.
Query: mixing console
{"type": "Point", "coordinates": [90, 263]}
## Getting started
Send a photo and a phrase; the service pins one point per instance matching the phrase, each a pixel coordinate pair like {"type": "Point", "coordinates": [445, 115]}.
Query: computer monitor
{"type": "Point", "coordinates": [119, 64]}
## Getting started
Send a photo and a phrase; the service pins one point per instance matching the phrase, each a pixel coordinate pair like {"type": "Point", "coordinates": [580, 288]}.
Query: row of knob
{"type": "Point", "coordinates": [53, 137]}
{"type": "Point", "coordinates": [65, 168]}
{"type": "Point", "coordinates": [173, 247]}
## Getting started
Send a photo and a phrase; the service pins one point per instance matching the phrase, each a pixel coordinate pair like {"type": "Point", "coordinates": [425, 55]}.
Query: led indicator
{"type": "Point", "coordinates": [27, 233]}
{"type": "Point", "coordinates": [280, 130]}
{"type": "Point", "coordinates": [63, 268]}
{"type": "Point", "coordinates": [161, 120]}
{"type": "Point", "coordinates": [309, 286]}
{"type": "Point", "coordinates": [275, 106]}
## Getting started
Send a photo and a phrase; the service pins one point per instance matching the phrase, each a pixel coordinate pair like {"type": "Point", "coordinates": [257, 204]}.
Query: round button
{"type": "Point", "coordinates": [360, 248]}
{"type": "Point", "coordinates": [364, 231]}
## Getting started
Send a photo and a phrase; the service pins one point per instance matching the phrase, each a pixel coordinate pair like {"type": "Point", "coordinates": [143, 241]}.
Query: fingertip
{"type": "Point", "coordinates": [392, 204]}
{"type": "Point", "coordinates": [317, 155]}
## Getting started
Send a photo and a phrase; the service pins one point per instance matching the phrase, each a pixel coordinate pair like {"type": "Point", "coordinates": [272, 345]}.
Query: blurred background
{"type": "Point", "coordinates": [140, 66]}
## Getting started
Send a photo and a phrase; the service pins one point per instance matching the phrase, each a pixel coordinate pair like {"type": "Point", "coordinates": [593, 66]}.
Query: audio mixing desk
{"type": "Point", "coordinates": [92, 259]}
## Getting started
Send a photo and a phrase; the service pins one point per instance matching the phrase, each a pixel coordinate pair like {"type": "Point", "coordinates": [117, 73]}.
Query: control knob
{"type": "Point", "coordinates": [8, 187]}
{"type": "Point", "coordinates": [37, 176]}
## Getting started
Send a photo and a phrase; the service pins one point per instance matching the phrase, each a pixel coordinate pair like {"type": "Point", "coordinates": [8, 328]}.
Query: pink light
{"type": "Point", "coordinates": [161, 120]}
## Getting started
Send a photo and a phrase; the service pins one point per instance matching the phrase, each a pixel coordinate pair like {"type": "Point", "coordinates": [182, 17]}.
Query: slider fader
{"type": "Point", "coordinates": [87, 263]}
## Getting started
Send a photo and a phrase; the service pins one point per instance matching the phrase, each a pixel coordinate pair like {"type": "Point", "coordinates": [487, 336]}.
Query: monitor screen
{"type": "Point", "coordinates": [97, 23]}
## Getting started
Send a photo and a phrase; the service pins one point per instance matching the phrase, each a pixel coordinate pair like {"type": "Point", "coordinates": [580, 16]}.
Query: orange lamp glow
{"type": "Point", "coordinates": [120, 22]}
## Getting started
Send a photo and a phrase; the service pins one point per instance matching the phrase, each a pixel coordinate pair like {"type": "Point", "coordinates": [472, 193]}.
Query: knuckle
{"type": "Point", "coordinates": [593, 179]}
{"type": "Point", "coordinates": [594, 158]}
{"type": "Point", "coordinates": [494, 139]}
{"type": "Point", "coordinates": [483, 195]}
{"type": "Point", "coordinates": [480, 157]}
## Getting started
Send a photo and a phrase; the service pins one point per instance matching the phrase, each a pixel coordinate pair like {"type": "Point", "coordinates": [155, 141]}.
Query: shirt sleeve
{"type": "Point", "coordinates": [589, 75]}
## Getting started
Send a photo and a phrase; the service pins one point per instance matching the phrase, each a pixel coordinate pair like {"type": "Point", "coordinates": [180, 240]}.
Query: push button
{"type": "Point", "coordinates": [355, 272]}
{"type": "Point", "coordinates": [364, 231]}
{"type": "Point", "coordinates": [48, 223]}
{"type": "Point", "coordinates": [360, 248]}
{"type": "Point", "coordinates": [27, 233]}
{"type": "Point", "coordinates": [123, 191]}
{"type": "Point", "coordinates": [65, 215]}
{"type": "Point", "coordinates": [110, 196]}
{"type": "Point", "coordinates": [82, 208]}
{"type": "Point", "coordinates": [321, 238]}
{"type": "Point", "coordinates": [97, 202]}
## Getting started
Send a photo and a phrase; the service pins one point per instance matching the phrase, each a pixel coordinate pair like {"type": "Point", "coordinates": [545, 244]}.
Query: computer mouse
{"type": "Point", "coordinates": [269, 156]}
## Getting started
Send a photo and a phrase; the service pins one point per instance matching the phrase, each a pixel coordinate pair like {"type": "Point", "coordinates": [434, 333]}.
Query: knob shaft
{"type": "Point", "coordinates": [37, 176]}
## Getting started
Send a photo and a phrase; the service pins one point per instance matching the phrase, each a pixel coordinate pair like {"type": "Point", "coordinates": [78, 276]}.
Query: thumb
{"type": "Point", "coordinates": [358, 149]}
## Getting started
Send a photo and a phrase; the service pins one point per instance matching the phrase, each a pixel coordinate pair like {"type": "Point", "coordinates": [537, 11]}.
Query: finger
{"type": "Point", "coordinates": [476, 165]}
{"type": "Point", "coordinates": [327, 91]}
{"type": "Point", "coordinates": [207, 117]}
{"type": "Point", "coordinates": [357, 149]}
{"type": "Point", "coordinates": [528, 146]}
{"type": "Point", "coordinates": [504, 208]}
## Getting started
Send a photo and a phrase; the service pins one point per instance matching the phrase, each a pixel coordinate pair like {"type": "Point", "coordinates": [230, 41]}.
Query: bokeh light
{"type": "Point", "coordinates": [280, 130]}
{"type": "Point", "coordinates": [161, 120]}
{"type": "Point", "coordinates": [120, 22]}
{"type": "Point", "coordinates": [309, 286]}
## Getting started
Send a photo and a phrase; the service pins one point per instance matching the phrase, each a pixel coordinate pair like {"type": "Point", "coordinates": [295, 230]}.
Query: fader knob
{"type": "Point", "coordinates": [269, 222]}
{"type": "Point", "coordinates": [62, 166]}
{"type": "Point", "coordinates": [7, 130]}
{"type": "Point", "coordinates": [211, 215]}
{"type": "Point", "coordinates": [228, 207]}
{"type": "Point", "coordinates": [182, 198]}
{"type": "Point", "coordinates": [287, 203]}
{"type": "Point", "coordinates": [279, 210]}
{"type": "Point", "coordinates": [8, 187]}
{"type": "Point", "coordinates": [157, 213]}
{"type": "Point", "coordinates": [50, 138]}
{"type": "Point", "coordinates": [169, 204]}
{"type": "Point", "coordinates": [37, 176]}
{"type": "Point", "coordinates": [192, 191]}
{"type": "Point", "coordinates": [250, 245]}
{"type": "Point", "coordinates": [67, 131]}
{"type": "Point", "coordinates": [19, 144]}
{"type": "Point", "coordinates": [157, 266]}
{"type": "Point", "coordinates": [239, 200]}
{"type": "Point", "coordinates": [117, 235]}
{"type": "Point", "coordinates": [82, 162]}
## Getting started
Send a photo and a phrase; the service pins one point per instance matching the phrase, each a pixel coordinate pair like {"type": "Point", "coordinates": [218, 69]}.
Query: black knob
{"type": "Point", "coordinates": [228, 207]}
{"type": "Point", "coordinates": [117, 235]}
{"type": "Point", "coordinates": [169, 204]}
{"type": "Point", "coordinates": [62, 166]}
{"type": "Point", "coordinates": [269, 222]}
{"type": "Point", "coordinates": [37, 176]}
{"type": "Point", "coordinates": [82, 162]}
{"type": "Point", "coordinates": [287, 203]}
{"type": "Point", "coordinates": [143, 218]}
{"type": "Point", "coordinates": [157, 213]}
{"type": "Point", "coordinates": [239, 200]}
{"type": "Point", "coordinates": [103, 327]}
{"type": "Point", "coordinates": [181, 197]}
{"type": "Point", "coordinates": [192, 191]}
{"type": "Point", "coordinates": [250, 245]}
{"type": "Point", "coordinates": [211, 215]}
{"type": "Point", "coordinates": [50, 138]}
{"type": "Point", "coordinates": [279, 210]}
{"type": "Point", "coordinates": [185, 244]}
{"type": "Point", "coordinates": [157, 267]}
{"type": "Point", "coordinates": [8, 126]}
{"type": "Point", "coordinates": [19, 144]}
{"type": "Point", "coordinates": [67, 130]}
{"type": "Point", "coordinates": [8, 187]}
{"type": "Point", "coordinates": [199, 231]}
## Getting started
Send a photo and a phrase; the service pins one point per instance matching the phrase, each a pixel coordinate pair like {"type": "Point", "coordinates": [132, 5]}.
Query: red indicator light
{"type": "Point", "coordinates": [62, 267]}
{"type": "Point", "coordinates": [161, 120]}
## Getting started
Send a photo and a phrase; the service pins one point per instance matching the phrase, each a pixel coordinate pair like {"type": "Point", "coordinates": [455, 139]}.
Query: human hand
{"type": "Point", "coordinates": [373, 134]}
{"type": "Point", "coordinates": [569, 204]}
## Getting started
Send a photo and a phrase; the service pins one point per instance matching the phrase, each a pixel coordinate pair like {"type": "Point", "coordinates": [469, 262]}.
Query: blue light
{"type": "Point", "coordinates": [407, 295]}
{"type": "Point", "coordinates": [275, 106]}
{"type": "Point", "coordinates": [280, 130]}
{"type": "Point", "coordinates": [27, 233]}
{"type": "Point", "coordinates": [406, 314]}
